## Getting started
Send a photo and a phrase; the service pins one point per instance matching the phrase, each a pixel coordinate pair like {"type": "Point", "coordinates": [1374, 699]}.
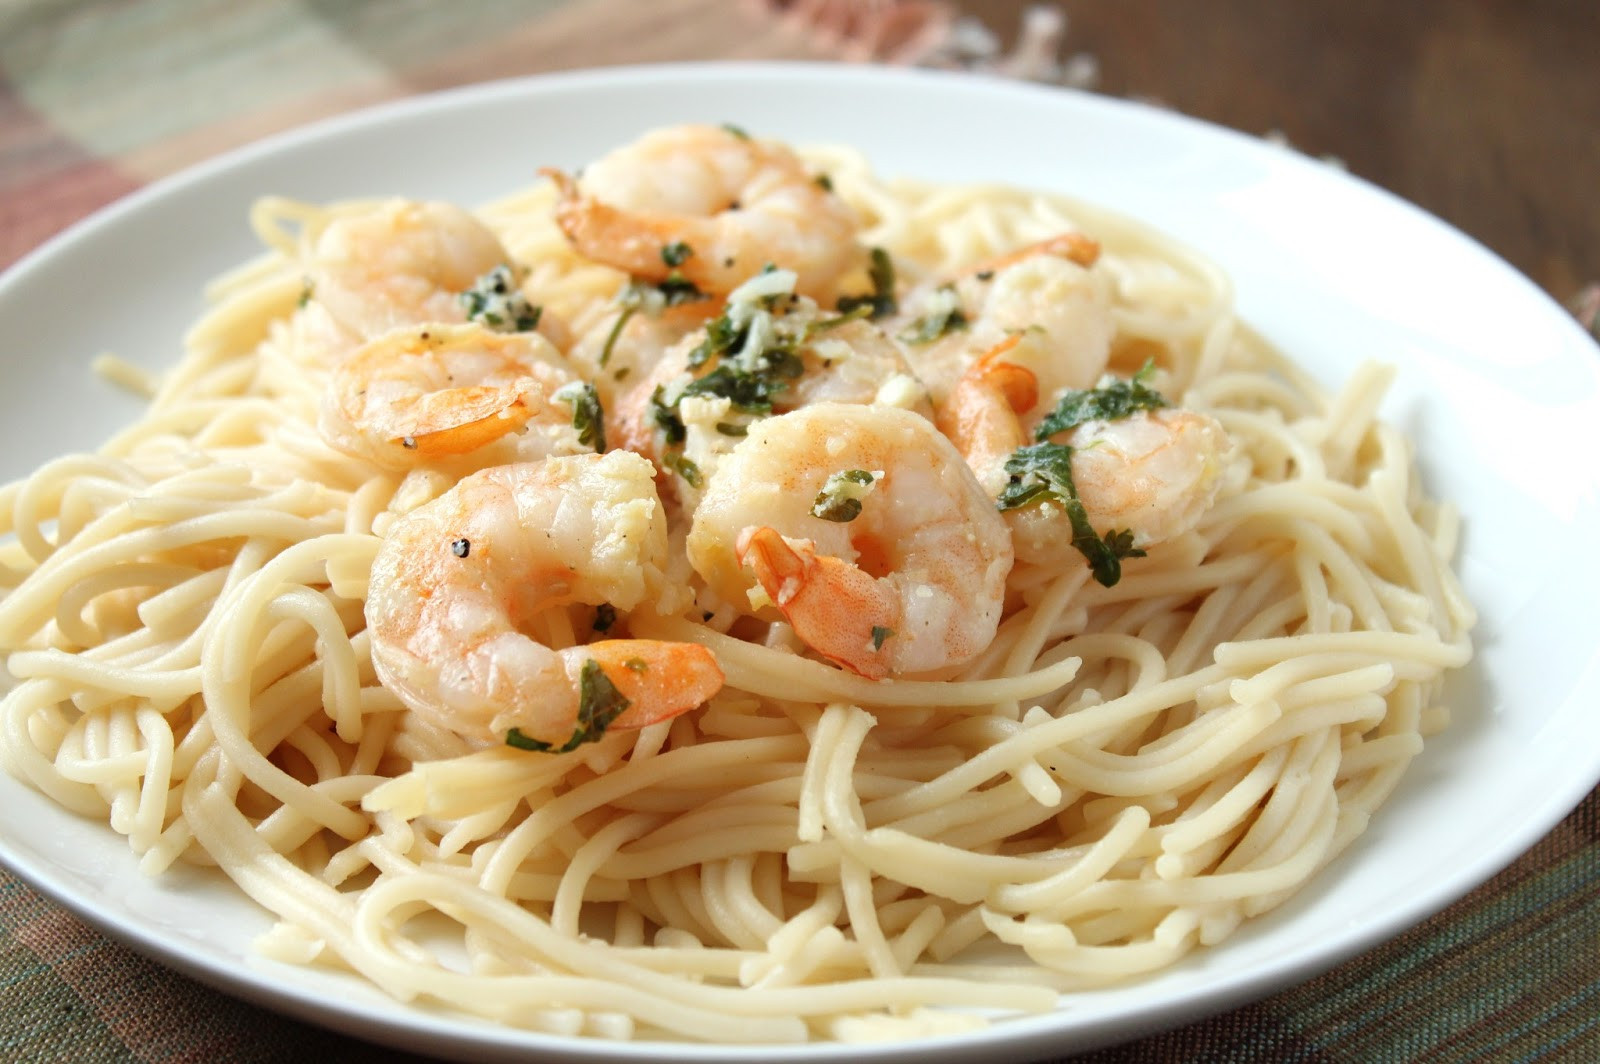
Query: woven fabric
{"type": "Point", "coordinates": [98, 97]}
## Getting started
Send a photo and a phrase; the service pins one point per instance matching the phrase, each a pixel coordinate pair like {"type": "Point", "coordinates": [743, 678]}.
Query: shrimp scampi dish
{"type": "Point", "coordinates": [717, 593]}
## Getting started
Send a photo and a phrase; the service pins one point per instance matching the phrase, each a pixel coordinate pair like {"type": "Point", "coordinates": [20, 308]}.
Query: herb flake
{"type": "Point", "coordinates": [684, 467]}
{"type": "Point", "coordinates": [1111, 401]}
{"type": "Point", "coordinates": [946, 317]}
{"type": "Point", "coordinates": [587, 415]}
{"type": "Point", "coordinates": [678, 290]}
{"type": "Point", "coordinates": [599, 703]}
{"type": "Point", "coordinates": [1042, 472]}
{"type": "Point", "coordinates": [666, 417]}
{"type": "Point", "coordinates": [494, 300]}
{"type": "Point", "coordinates": [676, 253]}
{"type": "Point", "coordinates": [881, 302]}
{"type": "Point", "coordinates": [841, 495]}
{"type": "Point", "coordinates": [749, 390]}
{"type": "Point", "coordinates": [879, 634]}
{"type": "Point", "coordinates": [616, 333]}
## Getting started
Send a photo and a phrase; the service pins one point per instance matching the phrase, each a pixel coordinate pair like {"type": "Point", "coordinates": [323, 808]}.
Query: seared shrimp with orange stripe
{"type": "Point", "coordinates": [458, 581]}
{"type": "Point", "coordinates": [863, 528]}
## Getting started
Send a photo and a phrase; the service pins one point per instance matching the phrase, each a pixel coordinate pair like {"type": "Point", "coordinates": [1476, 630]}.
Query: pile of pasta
{"type": "Point", "coordinates": [1126, 773]}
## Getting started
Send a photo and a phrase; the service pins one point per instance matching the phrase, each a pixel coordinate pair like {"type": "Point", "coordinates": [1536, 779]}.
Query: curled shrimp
{"type": "Point", "coordinates": [1047, 296]}
{"type": "Point", "coordinates": [1154, 473]}
{"type": "Point", "coordinates": [407, 262]}
{"type": "Point", "coordinates": [1150, 475]}
{"type": "Point", "coordinates": [865, 529]}
{"type": "Point", "coordinates": [458, 580]}
{"type": "Point", "coordinates": [442, 392]}
{"type": "Point", "coordinates": [709, 205]}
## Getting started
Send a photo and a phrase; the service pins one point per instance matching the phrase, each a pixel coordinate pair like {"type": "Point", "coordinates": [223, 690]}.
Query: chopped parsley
{"type": "Point", "coordinates": [748, 369]}
{"type": "Point", "coordinates": [684, 467]}
{"type": "Point", "coordinates": [495, 300]}
{"type": "Point", "coordinates": [461, 547]}
{"type": "Point", "coordinates": [1111, 401]}
{"type": "Point", "coordinates": [1042, 472]}
{"type": "Point", "coordinates": [841, 495]}
{"type": "Point", "coordinates": [881, 302]}
{"type": "Point", "coordinates": [677, 290]}
{"type": "Point", "coordinates": [879, 634]}
{"type": "Point", "coordinates": [946, 316]}
{"type": "Point", "coordinates": [749, 355]}
{"type": "Point", "coordinates": [605, 615]}
{"type": "Point", "coordinates": [676, 253]}
{"type": "Point", "coordinates": [736, 131]}
{"type": "Point", "coordinates": [822, 325]}
{"type": "Point", "coordinates": [749, 390]}
{"type": "Point", "coordinates": [599, 703]}
{"type": "Point", "coordinates": [666, 417]}
{"type": "Point", "coordinates": [722, 336]}
{"type": "Point", "coordinates": [307, 288]}
{"type": "Point", "coordinates": [616, 333]}
{"type": "Point", "coordinates": [587, 416]}
{"type": "Point", "coordinates": [672, 292]}
{"type": "Point", "coordinates": [639, 295]}
{"type": "Point", "coordinates": [824, 182]}
{"type": "Point", "coordinates": [638, 665]}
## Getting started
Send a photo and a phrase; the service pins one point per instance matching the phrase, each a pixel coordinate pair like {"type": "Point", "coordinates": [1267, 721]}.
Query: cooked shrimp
{"type": "Point", "coordinates": [1149, 477]}
{"type": "Point", "coordinates": [865, 529]}
{"type": "Point", "coordinates": [1151, 474]}
{"type": "Point", "coordinates": [702, 395]}
{"type": "Point", "coordinates": [1047, 295]}
{"type": "Point", "coordinates": [403, 262]}
{"type": "Point", "coordinates": [984, 413]}
{"type": "Point", "coordinates": [711, 206]}
{"type": "Point", "coordinates": [1154, 473]}
{"type": "Point", "coordinates": [458, 580]}
{"type": "Point", "coordinates": [439, 392]}
{"type": "Point", "coordinates": [856, 363]}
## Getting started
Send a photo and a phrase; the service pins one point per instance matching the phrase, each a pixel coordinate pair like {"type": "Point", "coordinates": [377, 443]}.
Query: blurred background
{"type": "Point", "coordinates": [1484, 112]}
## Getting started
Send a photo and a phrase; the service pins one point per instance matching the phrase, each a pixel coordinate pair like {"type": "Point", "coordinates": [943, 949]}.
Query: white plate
{"type": "Point", "coordinates": [1499, 388]}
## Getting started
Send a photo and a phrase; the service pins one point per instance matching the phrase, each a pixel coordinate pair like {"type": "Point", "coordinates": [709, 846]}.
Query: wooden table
{"type": "Point", "coordinates": [1484, 112]}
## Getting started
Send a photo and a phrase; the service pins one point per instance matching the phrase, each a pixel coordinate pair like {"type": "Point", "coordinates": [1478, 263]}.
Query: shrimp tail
{"type": "Point", "coordinates": [1074, 247]}
{"type": "Point", "coordinates": [981, 415]}
{"type": "Point", "coordinates": [835, 608]}
{"type": "Point", "coordinates": [632, 240]}
{"type": "Point", "coordinates": [660, 680]}
{"type": "Point", "coordinates": [462, 419]}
